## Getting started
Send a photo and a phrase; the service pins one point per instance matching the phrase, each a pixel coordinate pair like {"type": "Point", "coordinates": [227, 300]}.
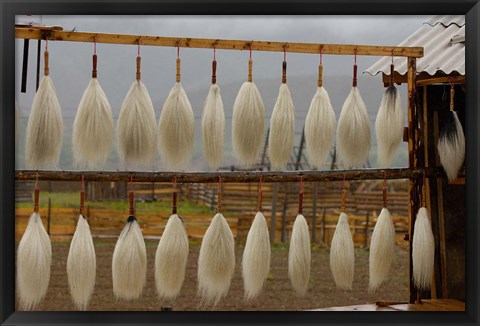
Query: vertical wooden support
{"type": "Point", "coordinates": [324, 217]}
{"type": "Point", "coordinates": [273, 214]}
{"type": "Point", "coordinates": [314, 212]}
{"type": "Point", "coordinates": [413, 184]}
{"type": "Point", "coordinates": [428, 188]}
{"type": "Point", "coordinates": [441, 218]}
{"type": "Point", "coordinates": [284, 235]}
{"type": "Point", "coordinates": [367, 222]}
{"type": "Point", "coordinates": [49, 215]}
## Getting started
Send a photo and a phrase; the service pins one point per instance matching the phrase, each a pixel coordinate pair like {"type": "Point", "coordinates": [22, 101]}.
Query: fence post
{"type": "Point", "coordinates": [284, 215]}
{"type": "Point", "coordinates": [323, 224]}
{"type": "Point", "coordinates": [314, 221]}
{"type": "Point", "coordinates": [273, 215]}
{"type": "Point", "coordinates": [366, 229]}
{"type": "Point", "coordinates": [49, 214]}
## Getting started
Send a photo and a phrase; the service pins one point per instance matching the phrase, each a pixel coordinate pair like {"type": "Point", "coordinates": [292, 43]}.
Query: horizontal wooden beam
{"type": "Point", "coordinates": [424, 79]}
{"type": "Point", "coordinates": [229, 176]}
{"type": "Point", "coordinates": [338, 49]}
{"type": "Point", "coordinates": [442, 80]}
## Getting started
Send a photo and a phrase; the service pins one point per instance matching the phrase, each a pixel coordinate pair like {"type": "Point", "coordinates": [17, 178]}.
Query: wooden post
{"type": "Point", "coordinates": [367, 218]}
{"type": "Point", "coordinates": [323, 224]}
{"type": "Point", "coordinates": [428, 201]}
{"type": "Point", "coordinates": [413, 184]}
{"type": "Point", "coordinates": [284, 215]}
{"type": "Point", "coordinates": [49, 214]}
{"type": "Point", "coordinates": [441, 222]}
{"type": "Point", "coordinates": [273, 214]}
{"type": "Point", "coordinates": [314, 212]}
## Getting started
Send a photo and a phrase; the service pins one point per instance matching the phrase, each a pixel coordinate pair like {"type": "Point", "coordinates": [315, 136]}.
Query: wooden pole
{"type": "Point", "coordinates": [441, 217]}
{"type": "Point", "coordinates": [229, 176]}
{"type": "Point", "coordinates": [41, 32]}
{"type": "Point", "coordinates": [273, 216]}
{"type": "Point", "coordinates": [283, 238]}
{"type": "Point", "coordinates": [367, 220]}
{"type": "Point", "coordinates": [49, 215]}
{"type": "Point", "coordinates": [314, 212]}
{"type": "Point", "coordinates": [413, 184]}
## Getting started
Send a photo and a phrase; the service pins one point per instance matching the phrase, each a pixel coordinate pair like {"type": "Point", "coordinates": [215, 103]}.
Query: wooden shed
{"type": "Point", "coordinates": [441, 68]}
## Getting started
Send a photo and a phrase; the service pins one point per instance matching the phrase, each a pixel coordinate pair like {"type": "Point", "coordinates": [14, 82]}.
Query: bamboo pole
{"type": "Point", "coordinates": [229, 176]}
{"type": "Point", "coordinates": [40, 32]}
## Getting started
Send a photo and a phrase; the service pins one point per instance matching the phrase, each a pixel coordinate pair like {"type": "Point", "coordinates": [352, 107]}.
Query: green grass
{"type": "Point", "coordinates": [72, 200]}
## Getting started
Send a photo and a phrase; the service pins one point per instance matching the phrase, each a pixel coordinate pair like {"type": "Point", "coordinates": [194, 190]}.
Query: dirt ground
{"type": "Point", "coordinates": [277, 295]}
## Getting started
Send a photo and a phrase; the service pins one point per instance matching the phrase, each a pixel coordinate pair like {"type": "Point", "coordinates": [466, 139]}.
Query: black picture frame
{"type": "Point", "coordinates": [10, 8]}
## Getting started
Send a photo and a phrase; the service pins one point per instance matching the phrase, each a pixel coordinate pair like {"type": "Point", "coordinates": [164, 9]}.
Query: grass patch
{"type": "Point", "coordinates": [72, 200]}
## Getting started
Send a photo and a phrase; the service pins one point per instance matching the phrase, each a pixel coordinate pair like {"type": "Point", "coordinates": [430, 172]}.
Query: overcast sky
{"type": "Point", "coordinates": [70, 62]}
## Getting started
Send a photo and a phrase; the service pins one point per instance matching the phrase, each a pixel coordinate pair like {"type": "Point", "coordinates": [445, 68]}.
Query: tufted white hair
{"type": "Point", "coordinates": [216, 262]}
{"type": "Point", "coordinates": [248, 124]}
{"type": "Point", "coordinates": [171, 259]}
{"type": "Point", "coordinates": [320, 126]}
{"type": "Point", "coordinates": [342, 256]}
{"type": "Point", "coordinates": [382, 249]}
{"type": "Point", "coordinates": [299, 256]}
{"type": "Point", "coordinates": [213, 127]}
{"type": "Point", "coordinates": [34, 258]}
{"type": "Point", "coordinates": [256, 257]}
{"type": "Point", "coordinates": [44, 128]}
{"type": "Point", "coordinates": [81, 265]}
{"type": "Point", "coordinates": [353, 131]}
{"type": "Point", "coordinates": [93, 127]}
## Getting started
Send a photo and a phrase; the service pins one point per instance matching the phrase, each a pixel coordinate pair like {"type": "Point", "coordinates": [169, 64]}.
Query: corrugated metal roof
{"type": "Point", "coordinates": [443, 40]}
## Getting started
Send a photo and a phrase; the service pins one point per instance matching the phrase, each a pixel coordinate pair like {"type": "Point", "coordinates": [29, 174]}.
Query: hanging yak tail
{"type": "Point", "coordinates": [248, 124]}
{"type": "Point", "coordinates": [382, 249]}
{"type": "Point", "coordinates": [213, 127]}
{"type": "Point", "coordinates": [81, 265]}
{"type": "Point", "coordinates": [256, 257]}
{"type": "Point", "coordinates": [93, 127]}
{"type": "Point", "coordinates": [176, 128]}
{"type": "Point", "coordinates": [423, 250]}
{"type": "Point", "coordinates": [282, 129]}
{"type": "Point", "coordinates": [299, 256]}
{"type": "Point", "coordinates": [129, 262]}
{"type": "Point", "coordinates": [353, 131]}
{"type": "Point", "coordinates": [34, 257]}
{"type": "Point", "coordinates": [137, 128]}
{"type": "Point", "coordinates": [389, 126]}
{"type": "Point", "coordinates": [171, 259]}
{"type": "Point", "coordinates": [320, 126]}
{"type": "Point", "coordinates": [44, 128]}
{"type": "Point", "coordinates": [216, 262]}
{"type": "Point", "coordinates": [342, 256]}
{"type": "Point", "coordinates": [451, 146]}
